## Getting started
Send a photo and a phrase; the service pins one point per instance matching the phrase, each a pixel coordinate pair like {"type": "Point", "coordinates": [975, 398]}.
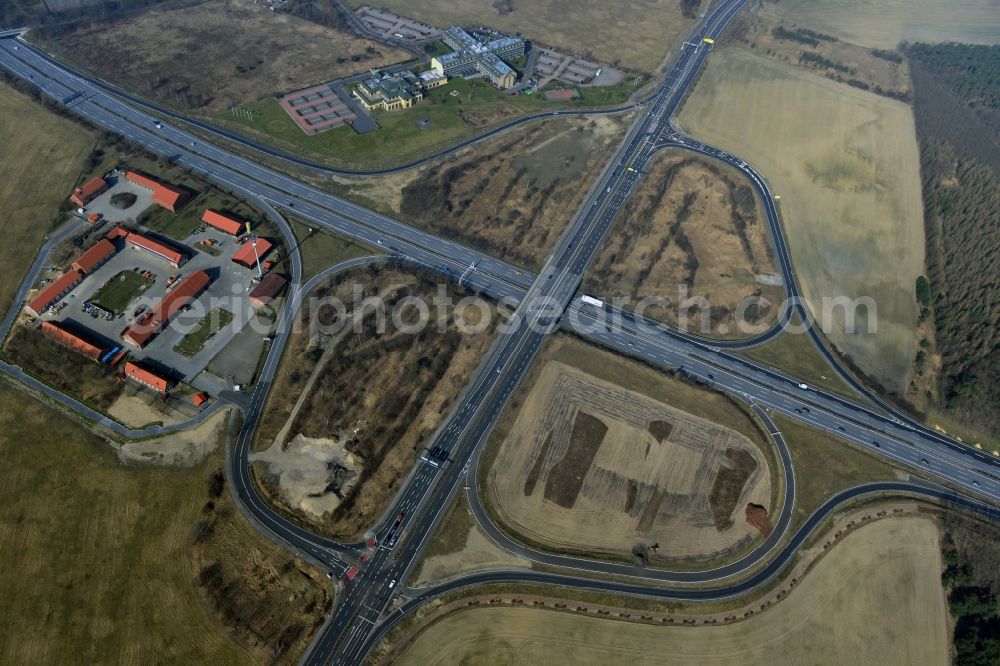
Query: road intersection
{"type": "Point", "coordinates": [546, 301]}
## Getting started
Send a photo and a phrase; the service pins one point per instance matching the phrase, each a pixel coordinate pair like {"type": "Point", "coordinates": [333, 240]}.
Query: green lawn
{"type": "Point", "coordinates": [321, 250]}
{"type": "Point", "coordinates": [180, 225]}
{"type": "Point", "coordinates": [121, 290]}
{"type": "Point", "coordinates": [216, 320]}
{"type": "Point", "coordinates": [439, 120]}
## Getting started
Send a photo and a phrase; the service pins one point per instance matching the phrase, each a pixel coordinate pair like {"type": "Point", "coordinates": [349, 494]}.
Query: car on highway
{"type": "Point", "coordinates": [392, 583]}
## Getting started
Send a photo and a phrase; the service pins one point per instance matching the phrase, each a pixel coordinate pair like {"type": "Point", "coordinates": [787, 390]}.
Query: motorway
{"type": "Point", "coordinates": [544, 301]}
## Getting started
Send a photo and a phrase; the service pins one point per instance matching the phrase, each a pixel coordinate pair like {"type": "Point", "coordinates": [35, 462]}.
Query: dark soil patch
{"type": "Point", "coordinates": [566, 477]}
{"type": "Point", "coordinates": [650, 512]}
{"type": "Point", "coordinates": [123, 200]}
{"type": "Point", "coordinates": [536, 469]}
{"type": "Point", "coordinates": [631, 494]}
{"type": "Point", "coordinates": [729, 485]}
{"type": "Point", "coordinates": [660, 430]}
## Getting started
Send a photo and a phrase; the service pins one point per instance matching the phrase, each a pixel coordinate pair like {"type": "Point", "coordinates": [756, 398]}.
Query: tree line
{"type": "Point", "coordinates": [954, 87]}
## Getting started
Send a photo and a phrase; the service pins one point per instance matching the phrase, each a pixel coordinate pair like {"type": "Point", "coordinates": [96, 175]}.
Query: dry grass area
{"type": "Point", "coordinates": [513, 195]}
{"type": "Point", "coordinates": [592, 465]}
{"type": "Point", "coordinates": [635, 34]}
{"type": "Point", "coordinates": [61, 368]}
{"type": "Point", "coordinates": [794, 352]}
{"type": "Point", "coordinates": [44, 156]}
{"type": "Point", "coordinates": [824, 465]}
{"type": "Point", "coordinates": [884, 24]}
{"type": "Point", "coordinates": [459, 547]}
{"type": "Point", "coordinates": [845, 164]}
{"type": "Point", "coordinates": [692, 229]}
{"type": "Point", "coordinates": [116, 564]}
{"type": "Point", "coordinates": [357, 405]}
{"type": "Point", "coordinates": [209, 55]}
{"type": "Point", "coordinates": [874, 599]}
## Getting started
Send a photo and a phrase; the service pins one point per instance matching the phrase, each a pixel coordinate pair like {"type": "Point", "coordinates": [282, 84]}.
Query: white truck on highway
{"type": "Point", "coordinates": [804, 387]}
{"type": "Point", "coordinates": [590, 300]}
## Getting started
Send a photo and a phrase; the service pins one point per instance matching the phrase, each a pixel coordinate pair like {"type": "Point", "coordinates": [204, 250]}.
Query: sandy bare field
{"type": "Point", "coordinates": [885, 23]}
{"type": "Point", "coordinates": [182, 449]}
{"type": "Point", "coordinates": [213, 54]}
{"type": "Point", "coordinates": [590, 466]}
{"type": "Point", "coordinates": [844, 162]}
{"type": "Point", "coordinates": [693, 228]}
{"type": "Point", "coordinates": [876, 598]}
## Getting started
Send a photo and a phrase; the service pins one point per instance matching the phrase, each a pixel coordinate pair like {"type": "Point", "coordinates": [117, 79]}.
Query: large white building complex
{"type": "Point", "coordinates": [472, 58]}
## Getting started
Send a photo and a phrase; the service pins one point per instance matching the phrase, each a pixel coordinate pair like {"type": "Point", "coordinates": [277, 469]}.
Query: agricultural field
{"type": "Point", "coordinates": [352, 408]}
{"type": "Point", "coordinates": [886, 23]}
{"type": "Point", "coordinates": [635, 34]}
{"type": "Point", "coordinates": [875, 598]}
{"type": "Point", "coordinates": [208, 56]}
{"type": "Point", "coordinates": [513, 195]}
{"type": "Point", "coordinates": [845, 164]}
{"type": "Point", "coordinates": [45, 155]}
{"type": "Point", "coordinates": [884, 71]}
{"type": "Point", "coordinates": [592, 465]}
{"type": "Point", "coordinates": [161, 567]}
{"type": "Point", "coordinates": [692, 229]}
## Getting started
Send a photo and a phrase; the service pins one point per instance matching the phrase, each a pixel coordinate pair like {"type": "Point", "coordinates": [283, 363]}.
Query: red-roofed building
{"type": "Point", "coordinates": [164, 196]}
{"type": "Point", "coordinates": [165, 252]}
{"type": "Point", "coordinates": [117, 232]}
{"type": "Point", "coordinates": [67, 338]}
{"type": "Point", "coordinates": [93, 187]}
{"type": "Point", "coordinates": [199, 399]}
{"type": "Point", "coordinates": [95, 256]}
{"type": "Point", "coordinates": [146, 378]}
{"type": "Point", "coordinates": [146, 327]}
{"type": "Point", "coordinates": [268, 288]}
{"type": "Point", "coordinates": [54, 291]}
{"type": "Point", "coordinates": [224, 223]}
{"type": "Point", "coordinates": [245, 254]}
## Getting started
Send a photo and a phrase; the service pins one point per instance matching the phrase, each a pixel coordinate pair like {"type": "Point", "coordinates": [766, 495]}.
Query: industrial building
{"type": "Point", "coordinates": [146, 378]}
{"type": "Point", "coordinates": [85, 193]}
{"type": "Point", "coordinates": [146, 327]}
{"type": "Point", "coordinates": [72, 340]}
{"type": "Point", "coordinates": [473, 58]}
{"type": "Point", "coordinates": [222, 222]}
{"type": "Point", "coordinates": [54, 291]}
{"type": "Point", "coordinates": [247, 255]}
{"type": "Point", "coordinates": [95, 257]}
{"type": "Point", "coordinates": [268, 288]}
{"type": "Point", "coordinates": [164, 196]}
{"type": "Point", "coordinates": [156, 248]}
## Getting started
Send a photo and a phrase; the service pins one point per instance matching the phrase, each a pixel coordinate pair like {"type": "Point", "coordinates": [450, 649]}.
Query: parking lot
{"type": "Point", "coordinates": [102, 204]}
